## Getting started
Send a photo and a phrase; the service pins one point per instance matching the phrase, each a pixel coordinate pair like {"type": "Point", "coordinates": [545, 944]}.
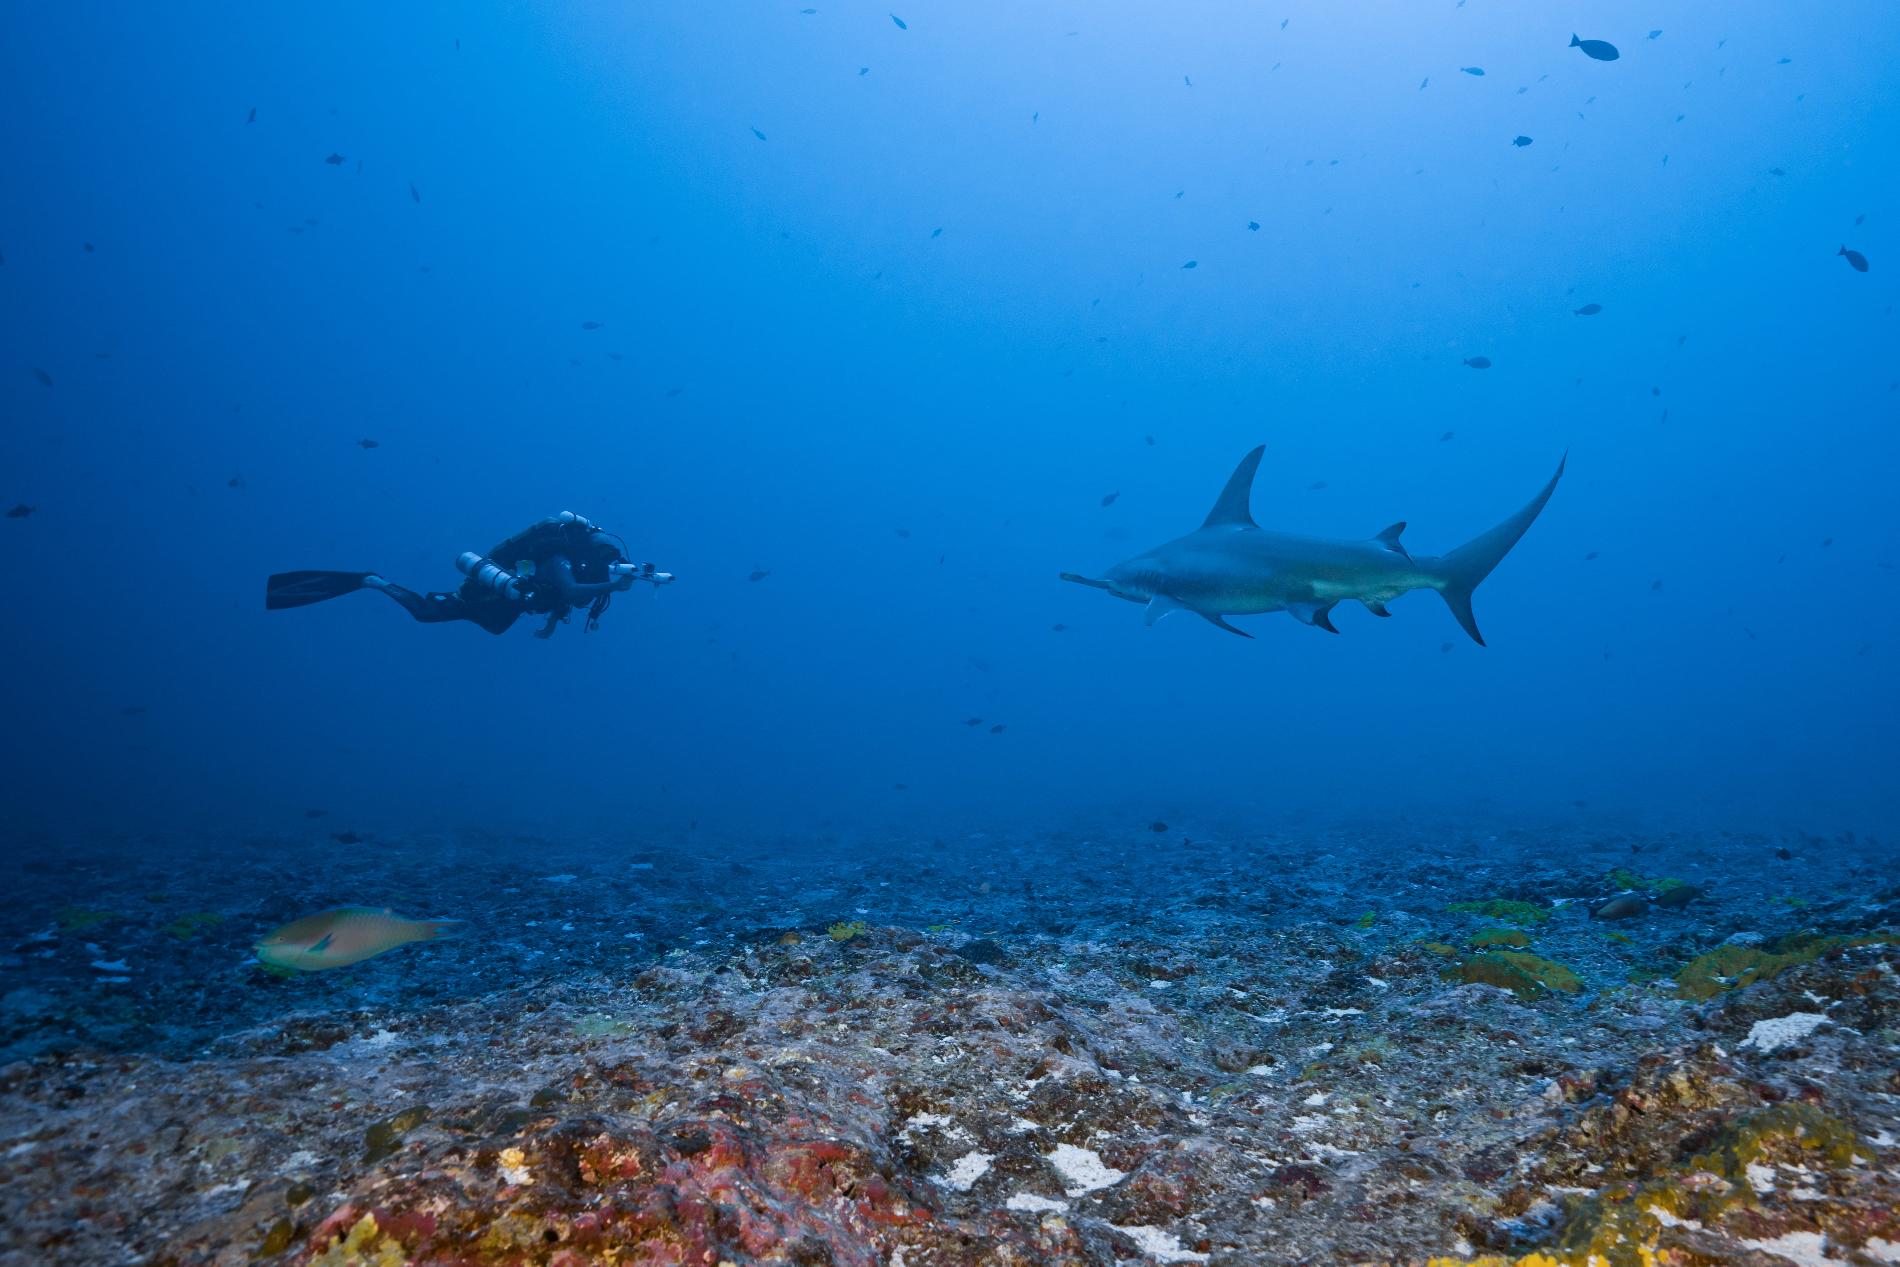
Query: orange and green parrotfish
{"type": "Point", "coordinates": [343, 936]}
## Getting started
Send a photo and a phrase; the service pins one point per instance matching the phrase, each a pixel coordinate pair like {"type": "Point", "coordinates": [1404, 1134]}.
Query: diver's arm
{"type": "Point", "coordinates": [558, 573]}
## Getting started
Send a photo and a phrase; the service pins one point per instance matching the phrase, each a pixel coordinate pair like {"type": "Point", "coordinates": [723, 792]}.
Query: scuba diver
{"type": "Point", "coordinates": [548, 568]}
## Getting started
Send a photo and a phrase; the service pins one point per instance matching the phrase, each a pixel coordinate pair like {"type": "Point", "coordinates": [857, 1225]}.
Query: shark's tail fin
{"type": "Point", "coordinates": [1460, 571]}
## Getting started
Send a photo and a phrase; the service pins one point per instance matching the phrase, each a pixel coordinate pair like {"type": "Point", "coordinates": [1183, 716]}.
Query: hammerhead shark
{"type": "Point", "coordinates": [1232, 566]}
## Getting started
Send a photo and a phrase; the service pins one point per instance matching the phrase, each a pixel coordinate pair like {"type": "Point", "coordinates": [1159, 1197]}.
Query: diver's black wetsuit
{"type": "Point", "coordinates": [548, 568]}
{"type": "Point", "coordinates": [557, 591]}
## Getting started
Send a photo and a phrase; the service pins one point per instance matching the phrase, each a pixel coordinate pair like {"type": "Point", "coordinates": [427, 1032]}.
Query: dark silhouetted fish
{"type": "Point", "coordinates": [902, 532]}
{"type": "Point", "coordinates": [1854, 258]}
{"type": "Point", "coordinates": [1588, 310]}
{"type": "Point", "coordinates": [1315, 486]}
{"type": "Point", "coordinates": [1253, 226]}
{"type": "Point", "coordinates": [367, 443]}
{"type": "Point", "coordinates": [758, 574]}
{"type": "Point", "coordinates": [759, 134]}
{"type": "Point", "coordinates": [1149, 439]}
{"type": "Point", "coordinates": [45, 379]}
{"type": "Point", "coordinates": [973, 721]}
{"type": "Point", "coordinates": [1589, 556]}
{"type": "Point", "coordinates": [1478, 362]}
{"type": "Point", "coordinates": [335, 159]}
{"type": "Point", "coordinates": [236, 481]}
{"type": "Point", "coordinates": [90, 248]}
{"type": "Point", "coordinates": [1599, 50]}
{"type": "Point", "coordinates": [414, 193]}
{"type": "Point", "coordinates": [1784, 61]}
{"type": "Point", "coordinates": [1629, 906]}
{"type": "Point", "coordinates": [1656, 34]}
{"type": "Point", "coordinates": [316, 813]}
{"type": "Point", "coordinates": [592, 325]}
{"type": "Point", "coordinates": [998, 728]}
{"type": "Point", "coordinates": [1057, 628]}
{"type": "Point", "coordinates": [1192, 264]}
{"type": "Point", "coordinates": [1448, 435]}
{"type": "Point", "coordinates": [347, 838]}
{"type": "Point", "coordinates": [1157, 826]}
{"type": "Point", "coordinates": [253, 115]}
{"type": "Point", "coordinates": [901, 24]}
{"type": "Point", "coordinates": [1520, 141]}
{"type": "Point", "coordinates": [1473, 70]}
{"type": "Point", "coordinates": [937, 232]}
{"type": "Point", "coordinates": [863, 71]}
{"type": "Point", "coordinates": [1109, 499]}
{"type": "Point", "coordinates": [21, 510]}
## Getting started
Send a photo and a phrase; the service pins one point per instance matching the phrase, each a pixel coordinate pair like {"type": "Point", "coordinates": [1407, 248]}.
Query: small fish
{"type": "Point", "coordinates": [759, 134]}
{"type": "Point", "coordinates": [973, 721]}
{"type": "Point", "coordinates": [1776, 171]}
{"type": "Point", "coordinates": [592, 325]}
{"type": "Point", "coordinates": [1588, 310]}
{"type": "Point", "coordinates": [1253, 226]}
{"type": "Point", "coordinates": [236, 481]}
{"type": "Point", "coordinates": [1593, 554]}
{"type": "Point", "coordinates": [21, 510]}
{"type": "Point", "coordinates": [1057, 628]}
{"type": "Point", "coordinates": [1315, 486]}
{"type": "Point", "coordinates": [1424, 83]}
{"type": "Point", "coordinates": [1520, 141]}
{"type": "Point", "coordinates": [1677, 896]}
{"type": "Point", "coordinates": [1187, 81]}
{"type": "Point", "coordinates": [863, 71]}
{"type": "Point", "coordinates": [1445, 647]}
{"type": "Point", "coordinates": [335, 159]}
{"type": "Point", "coordinates": [1150, 440]}
{"type": "Point", "coordinates": [1109, 499]}
{"type": "Point", "coordinates": [1655, 587]}
{"type": "Point", "coordinates": [45, 379]}
{"type": "Point", "coordinates": [1448, 435]}
{"type": "Point", "coordinates": [1826, 542]}
{"type": "Point", "coordinates": [1192, 264]}
{"type": "Point", "coordinates": [346, 838]}
{"type": "Point", "coordinates": [1784, 61]}
{"type": "Point", "coordinates": [316, 813]}
{"type": "Point", "coordinates": [414, 193]}
{"type": "Point", "coordinates": [902, 532]}
{"type": "Point", "coordinates": [1157, 826]}
{"type": "Point", "coordinates": [1854, 258]}
{"type": "Point", "coordinates": [901, 24]}
{"type": "Point", "coordinates": [367, 443]}
{"type": "Point", "coordinates": [1600, 50]}
{"type": "Point", "coordinates": [757, 574]}
{"type": "Point", "coordinates": [1629, 906]}
{"type": "Point", "coordinates": [808, 12]}
{"type": "Point", "coordinates": [90, 248]}
{"type": "Point", "coordinates": [1478, 362]}
{"type": "Point", "coordinates": [346, 935]}
{"type": "Point", "coordinates": [253, 115]}
{"type": "Point", "coordinates": [937, 232]}
{"type": "Point", "coordinates": [1656, 34]}
{"type": "Point", "coordinates": [998, 728]}
{"type": "Point", "coordinates": [1475, 71]}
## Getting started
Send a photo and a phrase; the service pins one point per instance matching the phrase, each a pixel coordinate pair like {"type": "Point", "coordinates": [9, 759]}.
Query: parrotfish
{"type": "Point", "coordinates": [343, 936]}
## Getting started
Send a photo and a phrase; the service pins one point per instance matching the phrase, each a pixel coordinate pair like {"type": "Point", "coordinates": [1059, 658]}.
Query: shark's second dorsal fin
{"type": "Point", "coordinates": [1389, 538]}
{"type": "Point", "coordinates": [1231, 510]}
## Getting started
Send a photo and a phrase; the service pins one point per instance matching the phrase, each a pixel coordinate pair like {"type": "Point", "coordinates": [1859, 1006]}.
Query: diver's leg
{"type": "Point", "coordinates": [428, 608]}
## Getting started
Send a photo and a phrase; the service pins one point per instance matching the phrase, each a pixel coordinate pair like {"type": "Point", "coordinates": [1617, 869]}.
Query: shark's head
{"type": "Point", "coordinates": [1134, 580]}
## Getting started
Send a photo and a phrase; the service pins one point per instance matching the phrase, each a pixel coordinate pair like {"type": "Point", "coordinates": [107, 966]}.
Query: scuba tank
{"type": "Point", "coordinates": [490, 575]}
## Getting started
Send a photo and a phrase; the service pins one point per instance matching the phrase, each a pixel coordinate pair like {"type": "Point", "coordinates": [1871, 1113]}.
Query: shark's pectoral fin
{"type": "Point", "coordinates": [1160, 605]}
{"type": "Point", "coordinates": [1389, 538]}
{"type": "Point", "coordinates": [1376, 608]}
{"type": "Point", "coordinates": [1218, 623]}
{"type": "Point", "coordinates": [1316, 614]}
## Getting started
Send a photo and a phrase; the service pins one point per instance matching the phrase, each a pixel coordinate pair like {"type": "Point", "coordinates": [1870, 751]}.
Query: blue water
{"type": "Point", "coordinates": [794, 365]}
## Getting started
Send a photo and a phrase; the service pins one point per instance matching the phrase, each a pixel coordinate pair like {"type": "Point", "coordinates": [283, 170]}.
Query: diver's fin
{"type": "Point", "coordinates": [1082, 580]}
{"type": "Point", "coordinates": [1231, 510]}
{"type": "Point", "coordinates": [1315, 614]}
{"type": "Point", "coordinates": [1376, 608]}
{"type": "Point", "coordinates": [300, 589]}
{"type": "Point", "coordinates": [1460, 571]}
{"type": "Point", "coordinates": [1218, 623]}
{"type": "Point", "coordinates": [1389, 538]}
{"type": "Point", "coordinates": [1160, 605]}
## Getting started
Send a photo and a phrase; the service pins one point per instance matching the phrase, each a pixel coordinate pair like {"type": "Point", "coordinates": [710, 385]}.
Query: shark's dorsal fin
{"type": "Point", "coordinates": [1231, 510]}
{"type": "Point", "coordinates": [1389, 538]}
